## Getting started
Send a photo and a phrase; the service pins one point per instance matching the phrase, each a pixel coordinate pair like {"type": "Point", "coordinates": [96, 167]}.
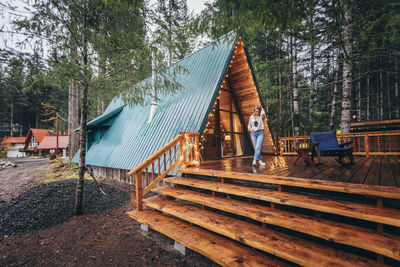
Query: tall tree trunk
{"type": "Point", "coordinates": [396, 87]}
{"type": "Point", "coordinates": [377, 99]}
{"type": "Point", "coordinates": [82, 155]}
{"type": "Point", "coordinates": [312, 84]}
{"type": "Point", "coordinates": [358, 96]}
{"type": "Point", "coordinates": [347, 72]}
{"type": "Point", "coordinates": [368, 98]}
{"type": "Point", "coordinates": [296, 107]}
{"type": "Point", "coordinates": [381, 92]}
{"type": "Point", "coordinates": [37, 118]}
{"type": "Point", "coordinates": [12, 117]}
{"type": "Point", "coordinates": [73, 119]}
{"type": "Point", "coordinates": [388, 96]}
{"type": "Point", "coordinates": [335, 91]}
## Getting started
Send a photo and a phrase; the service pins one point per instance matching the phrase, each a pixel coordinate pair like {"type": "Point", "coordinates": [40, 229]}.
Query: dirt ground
{"type": "Point", "coordinates": [27, 174]}
{"type": "Point", "coordinates": [109, 238]}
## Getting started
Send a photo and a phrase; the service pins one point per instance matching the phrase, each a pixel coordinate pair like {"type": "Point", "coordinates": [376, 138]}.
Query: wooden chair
{"type": "Point", "coordinates": [326, 144]}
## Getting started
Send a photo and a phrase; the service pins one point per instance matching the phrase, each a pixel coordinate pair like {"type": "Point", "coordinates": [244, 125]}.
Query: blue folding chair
{"type": "Point", "coordinates": [326, 144]}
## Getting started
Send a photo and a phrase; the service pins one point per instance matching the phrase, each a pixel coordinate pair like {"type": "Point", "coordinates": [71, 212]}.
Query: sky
{"type": "Point", "coordinates": [9, 40]}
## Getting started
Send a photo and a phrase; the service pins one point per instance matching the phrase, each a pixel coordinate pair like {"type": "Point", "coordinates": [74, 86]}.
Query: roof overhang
{"type": "Point", "coordinates": [99, 120]}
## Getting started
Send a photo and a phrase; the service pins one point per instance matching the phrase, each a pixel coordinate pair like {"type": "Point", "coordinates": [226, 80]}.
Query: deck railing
{"type": "Point", "coordinates": [152, 170]}
{"type": "Point", "coordinates": [365, 144]}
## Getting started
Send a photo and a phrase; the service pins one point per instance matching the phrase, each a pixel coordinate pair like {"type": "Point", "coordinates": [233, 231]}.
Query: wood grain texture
{"type": "Point", "coordinates": [366, 190]}
{"type": "Point", "coordinates": [343, 208]}
{"type": "Point", "coordinates": [291, 248]}
{"type": "Point", "coordinates": [388, 245]}
{"type": "Point", "coordinates": [219, 249]}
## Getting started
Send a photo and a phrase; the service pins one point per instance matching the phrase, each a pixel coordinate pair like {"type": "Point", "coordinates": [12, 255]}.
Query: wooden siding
{"type": "Point", "coordinates": [241, 80]}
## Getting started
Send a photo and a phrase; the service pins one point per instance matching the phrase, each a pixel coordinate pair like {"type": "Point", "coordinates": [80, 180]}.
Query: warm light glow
{"type": "Point", "coordinates": [227, 137]}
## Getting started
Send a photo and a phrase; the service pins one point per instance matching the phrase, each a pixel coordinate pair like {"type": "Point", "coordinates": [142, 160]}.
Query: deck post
{"type": "Point", "coordinates": [197, 150]}
{"type": "Point", "coordinates": [366, 145]}
{"type": "Point", "coordinates": [182, 151]}
{"type": "Point", "coordinates": [139, 191]}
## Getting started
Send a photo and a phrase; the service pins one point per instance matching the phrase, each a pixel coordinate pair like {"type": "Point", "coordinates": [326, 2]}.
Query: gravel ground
{"type": "Point", "coordinates": [51, 204]}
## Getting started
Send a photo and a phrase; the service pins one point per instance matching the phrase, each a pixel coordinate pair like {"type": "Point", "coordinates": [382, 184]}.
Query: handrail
{"type": "Point", "coordinates": [155, 155]}
{"type": "Point", "coordinates": [364, 143]}
{"type": "Point", "coordinates": [188, 146]}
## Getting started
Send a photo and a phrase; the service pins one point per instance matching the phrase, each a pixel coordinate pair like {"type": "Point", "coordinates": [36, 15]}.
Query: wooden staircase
{"type": "Point", "coordinates": [241, 219]}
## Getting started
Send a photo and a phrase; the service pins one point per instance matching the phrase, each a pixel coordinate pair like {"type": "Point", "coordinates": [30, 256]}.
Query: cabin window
{"type": "Point", "coordinates": [231, 126]}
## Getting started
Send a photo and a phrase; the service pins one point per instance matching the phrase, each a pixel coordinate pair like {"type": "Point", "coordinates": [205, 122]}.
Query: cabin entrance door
{"type": "Point", "coordinates": [231, 125]}
{"type": "Point", "coordinates": [225, 134]}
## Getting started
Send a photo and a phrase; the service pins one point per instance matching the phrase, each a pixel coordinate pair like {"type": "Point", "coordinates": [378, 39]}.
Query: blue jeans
{"type": "Point", "coordinates": [257, 137]}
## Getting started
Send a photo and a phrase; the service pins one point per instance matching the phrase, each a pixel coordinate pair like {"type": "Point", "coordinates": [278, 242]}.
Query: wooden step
{"type": "Point", "coordinates": [219, 249]}
{"type": "Point", "coordinates": [385, 244]}
{"type": "Point", "coordinates": [348, 209]}
{"type": "Point", "coordinates": [288, 247]}
{"type": "Point", "coordinates": [358, 189]}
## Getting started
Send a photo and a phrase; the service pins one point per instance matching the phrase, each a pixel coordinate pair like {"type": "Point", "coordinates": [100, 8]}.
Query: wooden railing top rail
{"type": "Point", "coordinates": [156, 154]}
{"type": "Point", "coordinates": [387, 133]}
{"type": "Point", "coordinates": [393, 132]}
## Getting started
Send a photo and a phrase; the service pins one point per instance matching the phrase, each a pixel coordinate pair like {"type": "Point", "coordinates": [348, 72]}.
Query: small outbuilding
{"type": "Point", "coordinates": [14, 146]}
{"type": "Point", "coordinates": [49, 145]}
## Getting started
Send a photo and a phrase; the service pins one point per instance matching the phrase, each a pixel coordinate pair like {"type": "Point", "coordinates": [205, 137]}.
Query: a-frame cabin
{"type": "Point", "coordinates": [217, 95]}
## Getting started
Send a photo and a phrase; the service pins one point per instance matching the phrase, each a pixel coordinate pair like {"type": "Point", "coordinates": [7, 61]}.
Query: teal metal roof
{"type": "Point", "coordinates": [130, 139]}
{"type": "Point", "coordinates": [101, 120]}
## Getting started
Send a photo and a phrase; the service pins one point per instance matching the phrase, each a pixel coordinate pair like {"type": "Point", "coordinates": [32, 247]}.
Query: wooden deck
{"type": "Point", "coordinates": [384, 171]}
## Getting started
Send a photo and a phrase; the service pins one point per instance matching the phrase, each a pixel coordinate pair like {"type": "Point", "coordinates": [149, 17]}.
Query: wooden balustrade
{"type": "Point", "coordinates": [365, 144]}
{"type": "Point", "coordinates": [156, 167]}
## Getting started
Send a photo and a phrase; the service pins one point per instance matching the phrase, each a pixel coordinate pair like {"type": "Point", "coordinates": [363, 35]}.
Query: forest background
{"type": "Point", "coordinates": [319, 64]}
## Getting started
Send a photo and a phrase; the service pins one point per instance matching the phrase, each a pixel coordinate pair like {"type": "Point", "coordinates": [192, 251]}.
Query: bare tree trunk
{"type": "Point", "coordinates": [358, 96]}
{"type": "Point", "coordinates": [388, 96]}
{"type": "Point", "coordinates": [280, 102]}
{"type": "Point", "coordinates": [12, 117]}
{"type": "Point", "coordinates": [312, 84]}
{"type": "Point", "coordinates": [381, 92]}
{"type": "Point", "coordinates": [347, 72]}
{"type": "Point", "coordinates": [296, 107]}
{"type": "Point", "coordinates": [368, 98]}
{"type": "Point", "coordinates": [82, 155]}
{"type": "Point", "coordinates": [36, 118]}
{"type": "Point", "coordinates": [377, 99]}
{"type": "Point", "coordinates": [396, 87]}
{"type": "Point", "coordinates": [73, 119]}
{"type": "Point", "coordinates": [335, 91]}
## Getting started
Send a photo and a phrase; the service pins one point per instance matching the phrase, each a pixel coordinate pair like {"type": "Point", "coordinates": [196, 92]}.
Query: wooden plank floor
{"type": "Point", "coordinates": [372, 171]}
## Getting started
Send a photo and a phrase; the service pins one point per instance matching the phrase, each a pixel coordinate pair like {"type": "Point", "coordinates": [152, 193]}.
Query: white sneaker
{"type": "Point", "coordinates": [254, 163]}
{"type": "Point", "coordinates": [261, 163]}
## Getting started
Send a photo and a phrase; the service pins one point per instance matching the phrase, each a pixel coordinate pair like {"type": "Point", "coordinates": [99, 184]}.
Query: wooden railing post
{"type": "Point", "coordinates": [197, 152]}
{"type": "Point", "coordinates": [281, 147]}
{"type": "Point", "coordinates": [182, 150]}
{"type": "Point", "coordinates": [366, 145]}
{"type": "Point", "coordinates": [139, 191]}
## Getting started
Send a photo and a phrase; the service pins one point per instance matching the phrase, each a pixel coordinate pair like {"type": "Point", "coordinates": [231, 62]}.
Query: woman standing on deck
{"type": "Point", "coordinates": [256, 127]}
